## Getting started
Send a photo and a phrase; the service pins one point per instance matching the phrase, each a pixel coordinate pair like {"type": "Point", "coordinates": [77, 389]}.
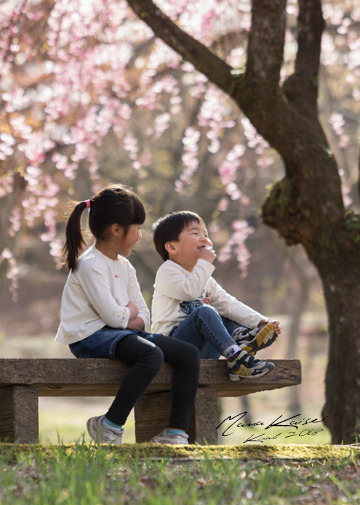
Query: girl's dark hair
{"type": "Point", "coordinates": [168, 228]}
{"type": "Point", "coordinates": [115, 204]}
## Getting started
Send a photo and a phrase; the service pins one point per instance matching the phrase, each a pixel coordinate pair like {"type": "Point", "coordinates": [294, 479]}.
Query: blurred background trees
{"type": "Point", "coordinates": [89, 95]}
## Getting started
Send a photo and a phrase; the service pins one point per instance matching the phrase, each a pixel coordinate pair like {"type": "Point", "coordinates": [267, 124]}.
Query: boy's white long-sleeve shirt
{"type": "Point", "coordinates": [96, 294]}
{"type": "Point", "coordinates": [174, 285]}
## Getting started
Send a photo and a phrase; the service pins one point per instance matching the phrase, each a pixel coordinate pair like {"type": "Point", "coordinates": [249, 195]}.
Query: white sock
{"type": "Point", "coordinates": [231, 350]}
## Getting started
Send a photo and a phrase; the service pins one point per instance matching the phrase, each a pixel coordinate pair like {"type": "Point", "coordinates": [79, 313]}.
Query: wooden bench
{"type": "Point", "coordinates": [22, 381]}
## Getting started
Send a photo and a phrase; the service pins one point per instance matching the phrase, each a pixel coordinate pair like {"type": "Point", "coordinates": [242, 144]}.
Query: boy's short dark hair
{"type": "Point", "coordinates": [168, 228]}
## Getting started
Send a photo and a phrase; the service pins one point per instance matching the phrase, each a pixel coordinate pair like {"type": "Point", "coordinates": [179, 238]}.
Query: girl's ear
{"type": "Point", "coordinates": [170, 248]}
{"type": "Point", "coordinates": [116, 230]}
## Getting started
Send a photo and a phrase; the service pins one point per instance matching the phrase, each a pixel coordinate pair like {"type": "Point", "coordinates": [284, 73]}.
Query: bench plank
{"type": "Point", "coordinates": [101, 377]}
{"type": "Point", "coordinates": [22, 381]}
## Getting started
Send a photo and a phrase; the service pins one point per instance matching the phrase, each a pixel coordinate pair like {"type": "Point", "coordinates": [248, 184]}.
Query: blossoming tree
{"type": "Point", "coordinates": [74, 70]}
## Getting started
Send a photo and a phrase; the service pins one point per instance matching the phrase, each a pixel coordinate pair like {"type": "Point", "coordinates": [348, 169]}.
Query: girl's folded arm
{"type": "Point", "coordinates": [137, 298]}
{"type": "Point", "coordinates": [96, 286]}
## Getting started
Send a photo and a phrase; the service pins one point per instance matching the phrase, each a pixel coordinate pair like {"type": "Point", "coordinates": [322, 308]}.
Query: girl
{"type": "Point", "coordinates": [103, 314]}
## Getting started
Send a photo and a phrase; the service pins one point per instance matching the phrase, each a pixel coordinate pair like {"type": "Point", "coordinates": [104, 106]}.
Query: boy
{"type": "Point", "coordinates": [188, 304]}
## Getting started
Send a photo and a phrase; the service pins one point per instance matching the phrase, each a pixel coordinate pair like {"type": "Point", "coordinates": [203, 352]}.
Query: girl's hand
{"type": "Point", "coordinates": [136, 324]}
{"type": "Point", "coordinates": [133, 310]}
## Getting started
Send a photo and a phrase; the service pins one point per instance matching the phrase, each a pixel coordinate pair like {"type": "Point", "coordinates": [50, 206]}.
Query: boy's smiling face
{"type": "Point", "coordinates": [188, 248]}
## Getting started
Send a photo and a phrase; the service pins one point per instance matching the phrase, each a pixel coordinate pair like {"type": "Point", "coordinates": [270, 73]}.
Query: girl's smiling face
{"type": "Point", "coordinates": [127, 243]}
{"type": "Point", "coordinates": [116, 242]}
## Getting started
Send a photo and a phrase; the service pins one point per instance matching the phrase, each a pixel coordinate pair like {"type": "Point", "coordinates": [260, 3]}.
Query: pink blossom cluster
{"type": "Point", "coordinates": [190, 159]}
{"type": "Point", "coordinates": [7, 142]}
{"type": "Point", "coordinates": [74, 70]}
{"type": "Point", "coordinates": [341, 42]}
{"type": "Point", "coordinates": [213, 116]}
{"type": "Point", "coordinates": [49, 97]}
{"type": "Point", "coordinates": [236, 245]}
{"type": "Point", "coordinates": [228, 171]}
{"type": "Point", "coordinates": [12, 271]}
{"type": "Point", "coordinates": [212, 120]}
{"type": "Point", "coordinates": [337, 121]}
{"type": "Point", "coordinates": [208, 19]}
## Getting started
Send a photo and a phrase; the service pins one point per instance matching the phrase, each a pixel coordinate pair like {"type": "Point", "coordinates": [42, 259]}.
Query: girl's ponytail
{"type": "Point", "coordinates": [114, 204]}
{"type": "Point", "coordinates": [74, 238]}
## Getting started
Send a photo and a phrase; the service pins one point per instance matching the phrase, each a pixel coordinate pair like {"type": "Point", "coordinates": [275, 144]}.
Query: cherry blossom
{"type": "Point", "coordinates": [73, 71]}
{"type": "Point", "coordinates": [236, 245]}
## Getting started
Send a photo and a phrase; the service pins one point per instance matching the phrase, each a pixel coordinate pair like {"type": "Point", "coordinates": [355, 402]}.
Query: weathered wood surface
{"type": "Point", "coordinates": [19, 414]}
{"type": "Point", "coordinates": [22, 381]}
{"type": "Point", "coordinates": [101, 377]}
{"type": "Point", "coordinates": [152, 413]}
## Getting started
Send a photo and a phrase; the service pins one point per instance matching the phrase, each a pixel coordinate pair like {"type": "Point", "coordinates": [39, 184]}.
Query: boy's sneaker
{"type": "Point", "coordinates": [165, 438]}
{"type": "Point", "coordinates": [103, 433]}
{"type": "Point", "coordinates": [243, 365]}
{"type": "Point", "coordinates": [255, 339]}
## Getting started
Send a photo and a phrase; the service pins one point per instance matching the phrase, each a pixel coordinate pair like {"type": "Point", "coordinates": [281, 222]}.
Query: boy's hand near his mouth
{"type": "Point", "coordinates": [207, 253]}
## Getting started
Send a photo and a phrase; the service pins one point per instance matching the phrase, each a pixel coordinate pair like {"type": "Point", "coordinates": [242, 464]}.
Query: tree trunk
{"type": "Point", "coordinates": [306, 207]}
{"type": "Point", "coordinates": [342, 407]}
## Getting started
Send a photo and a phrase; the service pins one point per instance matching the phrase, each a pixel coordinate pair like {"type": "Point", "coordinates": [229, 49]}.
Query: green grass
{"type": "Point", "coordinates": [159, 475]}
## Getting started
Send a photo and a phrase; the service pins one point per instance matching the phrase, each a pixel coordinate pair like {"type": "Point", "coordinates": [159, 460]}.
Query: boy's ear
{"type": "Point", "coordinates": [170, 248]}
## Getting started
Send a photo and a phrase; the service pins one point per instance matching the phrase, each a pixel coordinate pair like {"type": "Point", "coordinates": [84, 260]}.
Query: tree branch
{"type": "Point", "coordinates": [191, 50]}
{"type": "Point", "coordinates": [310, 28]}
{"type": "Point", "coordinates": [301, 88]}
{"type": "Point", "coordinates": [267, 31]}
{"type": "Point", "coordinates": [258, 93]}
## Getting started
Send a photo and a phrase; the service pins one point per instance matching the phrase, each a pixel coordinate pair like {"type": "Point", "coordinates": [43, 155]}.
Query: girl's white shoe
{"type": "Point", "coordinates": [165, 438]}
{"type": "Point", "coordinates": [103, 433]}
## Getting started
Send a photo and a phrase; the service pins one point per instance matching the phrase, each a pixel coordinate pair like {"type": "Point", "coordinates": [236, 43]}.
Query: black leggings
{"type": "Point", "coordinates": [147, 358]}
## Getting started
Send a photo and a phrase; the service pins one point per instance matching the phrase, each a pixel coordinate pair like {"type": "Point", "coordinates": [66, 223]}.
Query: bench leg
{"type": "Point", "coordinates": [19, 420]}
{"type": "Point", "coordinates": [205, 417]}
{"type": "Point", "coordinates": [152, 413]}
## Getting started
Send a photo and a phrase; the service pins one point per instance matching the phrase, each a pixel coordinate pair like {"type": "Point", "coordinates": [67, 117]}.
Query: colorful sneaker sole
{"type": "Point", "coordinates": [264, 338]}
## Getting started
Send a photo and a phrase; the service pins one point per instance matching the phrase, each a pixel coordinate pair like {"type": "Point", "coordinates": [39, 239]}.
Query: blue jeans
{"type": "Point", "coordinates": [207, 330]}
{"type": "Point", "coordinates": [102, 343]}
